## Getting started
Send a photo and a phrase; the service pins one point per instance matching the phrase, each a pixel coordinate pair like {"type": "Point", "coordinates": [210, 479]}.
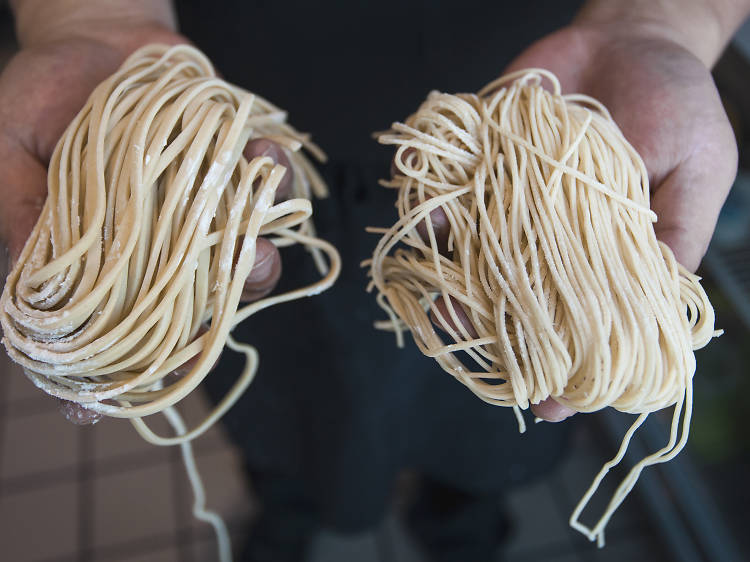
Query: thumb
{"type": "Point", "coordinates": [23, 189]}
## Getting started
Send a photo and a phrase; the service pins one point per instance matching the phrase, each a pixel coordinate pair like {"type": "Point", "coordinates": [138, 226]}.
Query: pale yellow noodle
{"type": "Point", "coordinates": [149, 231]}
{"type": "Point", "coordinates": [552, 257]}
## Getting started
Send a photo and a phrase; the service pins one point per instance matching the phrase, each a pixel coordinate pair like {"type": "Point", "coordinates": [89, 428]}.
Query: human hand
{"type": "Point", "coordinates": [664, 100]}
{"type": "Point", "coordinates": [41, 90]}
{"type": "Point", "coordinates": [666, 104]}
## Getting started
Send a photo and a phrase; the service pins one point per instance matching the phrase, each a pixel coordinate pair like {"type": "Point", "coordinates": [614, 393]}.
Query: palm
{"type": "Point", "coordinates": [48, 87]}
{"type": "Point", "coordinates": [666, 104]}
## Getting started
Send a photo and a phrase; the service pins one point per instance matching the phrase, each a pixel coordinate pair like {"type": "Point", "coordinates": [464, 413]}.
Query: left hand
{"type": "Point", "coordinates": [41, 90]}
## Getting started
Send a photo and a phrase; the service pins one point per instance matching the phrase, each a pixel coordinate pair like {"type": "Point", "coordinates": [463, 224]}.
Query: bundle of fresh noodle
{"type": "Point", "coordinates": [552, 282]}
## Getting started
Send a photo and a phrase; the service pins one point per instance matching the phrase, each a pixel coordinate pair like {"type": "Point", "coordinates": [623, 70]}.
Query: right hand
{"type": "Point", "coordinates": [649, 82]}
{"type": "Point", "coordinates": [41, 90]}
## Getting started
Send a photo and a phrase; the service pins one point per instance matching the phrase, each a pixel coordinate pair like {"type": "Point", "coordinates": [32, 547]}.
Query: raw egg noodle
{"type": "Point", "coordinates": [551, 257]}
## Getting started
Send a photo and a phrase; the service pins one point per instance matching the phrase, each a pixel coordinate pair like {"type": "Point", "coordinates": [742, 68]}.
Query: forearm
{"type": "Point", "coordinates": [702, 26]}
{"type": "Point", "coordinates": [44, 20]}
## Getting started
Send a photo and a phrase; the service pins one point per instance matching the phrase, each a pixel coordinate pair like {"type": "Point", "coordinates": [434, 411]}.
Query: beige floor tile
{"type": "Point", "coordinates": [133, 505]}
{"type": "Point", "coordinates": [39, 524]}
{"type": "Point", "coordinates": [41, 403]}
{"type": "Point", "coordinates": [227, 491]}
{"type": "Point", "coordinates": [20, 395]}
{"type": "Point", "coordinates": [117, 439]}
{"type": "Point", "coordinates": [19, 386]}
{"type": "Point", "coordinates": [169, 554]}
{"type": "Point", "coordinates": [228, 494]}
{"type": "Point", "coordinates": [205, 548]}
{"type": "Point", "coordinates": [213, 440]}
{"type": "Point", "coordinates": [194, 409]}
{"type": "Point", "coordinates": [39, 443]}
{"type": "Point", "coordinates": [7, 368]}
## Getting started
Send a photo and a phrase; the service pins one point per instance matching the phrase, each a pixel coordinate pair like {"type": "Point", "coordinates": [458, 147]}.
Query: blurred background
{"type": "Point", "coordinates": [100, 493]}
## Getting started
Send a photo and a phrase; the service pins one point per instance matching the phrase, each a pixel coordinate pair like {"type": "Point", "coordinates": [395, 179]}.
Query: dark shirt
{"type": "Point", "coordinates": [335, 402]}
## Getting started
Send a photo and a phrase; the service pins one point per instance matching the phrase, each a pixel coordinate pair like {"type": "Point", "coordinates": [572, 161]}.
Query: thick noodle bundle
{"type": "Point", "coordinates": [149, 231]}
{"type": "Point", "coordinates": [552, 256]}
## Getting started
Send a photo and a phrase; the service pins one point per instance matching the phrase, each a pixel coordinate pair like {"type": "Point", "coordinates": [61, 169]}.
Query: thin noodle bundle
{"type": "Point", "coordinates": [148, 231]}
{"type": "Point", "coordinates": [552, 256]}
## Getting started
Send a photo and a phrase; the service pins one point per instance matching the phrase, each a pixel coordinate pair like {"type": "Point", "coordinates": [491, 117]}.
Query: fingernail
{"type": "Point", "coordinates": [76, 413]}
{"type": "Point", "coordinates": [552, 411]}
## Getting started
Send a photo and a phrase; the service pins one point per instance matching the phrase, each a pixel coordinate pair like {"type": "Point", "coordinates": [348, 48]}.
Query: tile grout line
{"type": "Point", "coordinates": [148, 544]}
{"type": "Point", "coordinates": [119, 464]}
{"type": "Point", "coordinates": [39, 480]}
{"type": "Point", "coordinates": [86, 478]}
{"type": "Point", "coordinates": [25, 407]}
{"type": "Point", "coordinates": [144, 546]}
{"type": "Point", "coordinates": [184, 536]}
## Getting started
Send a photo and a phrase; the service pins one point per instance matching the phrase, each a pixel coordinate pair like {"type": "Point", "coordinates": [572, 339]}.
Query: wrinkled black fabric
{"type": "Point", "coordinates": [335, 403]}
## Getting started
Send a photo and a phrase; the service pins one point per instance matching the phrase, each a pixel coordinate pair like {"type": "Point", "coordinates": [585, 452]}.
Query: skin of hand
{"type": "Point", "coordinates": [666, 104]}
{"type": "Point", "coordinates": [664, 100]}
{"type": "Point", "coordinates": [41, 90]}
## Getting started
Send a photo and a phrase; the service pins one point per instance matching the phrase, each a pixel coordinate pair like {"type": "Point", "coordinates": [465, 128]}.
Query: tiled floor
{"type": "Point", "coordinates": [100, 493]}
